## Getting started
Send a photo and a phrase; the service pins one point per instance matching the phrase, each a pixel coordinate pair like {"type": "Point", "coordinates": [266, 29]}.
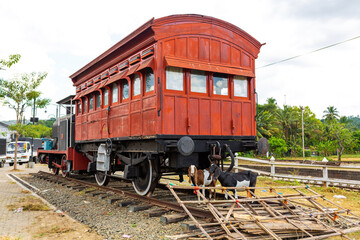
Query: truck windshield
{"type": "Point", "coordinates": [21, 148]}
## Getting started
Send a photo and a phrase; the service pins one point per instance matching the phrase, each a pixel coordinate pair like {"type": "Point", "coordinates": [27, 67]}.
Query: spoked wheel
{"type": "Point", "coordinates": [147, 180]}
{"type": "Point", "coordinates": [64, 172]}
{"type": "Point", "coordinates": [102, 177]}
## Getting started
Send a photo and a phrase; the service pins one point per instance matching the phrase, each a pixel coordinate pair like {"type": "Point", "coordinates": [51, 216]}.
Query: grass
{"type": "Point", "coordinates": [29, 203]}
{"type": "Point", "coordinates": [344, 157]}
{"type": "Point", "coordinates": [45, 232]}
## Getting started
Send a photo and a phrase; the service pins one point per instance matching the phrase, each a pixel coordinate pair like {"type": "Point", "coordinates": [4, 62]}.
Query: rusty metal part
{"type": "Point", "coordinates": [164, 204]}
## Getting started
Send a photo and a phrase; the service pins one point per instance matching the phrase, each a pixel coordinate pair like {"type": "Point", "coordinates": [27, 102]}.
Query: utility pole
{"type": "Point", "coordinates": [302, 126]}
{"type": "Point", "coordinates": [32, 144]}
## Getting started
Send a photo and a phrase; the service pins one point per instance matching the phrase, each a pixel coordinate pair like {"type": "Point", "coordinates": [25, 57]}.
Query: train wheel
{"type": "Point", "coordinates": [147, 180]}
{"type": "Point", "coordinates": [102, 177]}
{"type": "Point", "coordinates": [64, 172]}
{"type": "Point", "coordinates": [55, 170]}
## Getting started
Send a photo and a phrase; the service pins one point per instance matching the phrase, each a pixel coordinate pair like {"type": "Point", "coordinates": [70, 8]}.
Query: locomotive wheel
{"type": "Point", "coordinates": [55, 170]}
{"type": "Point", "coordinates": [146, 182]}
{"type": "Point", "coordinates": [64, 167]}
{"type": "Point", "coordinates": [102, 177]}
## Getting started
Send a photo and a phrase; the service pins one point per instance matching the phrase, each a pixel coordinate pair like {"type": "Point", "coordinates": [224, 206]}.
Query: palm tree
{"type": "Point", "coordinates": [265, 124]}
{"type": "Point", "coordinates": [331, 114]}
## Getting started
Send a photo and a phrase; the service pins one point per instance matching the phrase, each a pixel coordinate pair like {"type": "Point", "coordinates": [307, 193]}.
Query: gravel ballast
{"type": "Point", "coordinates": [108, 220]}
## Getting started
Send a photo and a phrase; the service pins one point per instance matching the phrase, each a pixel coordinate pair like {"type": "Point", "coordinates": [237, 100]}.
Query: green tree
{"type": "Point", "coordinates": [8, 63]}
{"type": "Point", "coordinates": [284, 119]}
{"type": "Point", "coordinates": [277, 146]}
{"type": "Point", "coordinates": [265, 124]}
{"type": "Point", "coordinates": [331, 114]}
{"type": "Point", "coordinates": [30, 130]}
{"type": "Point", "coordinates": [342, 137]}
{"type": "Point", "coordinates": [19, 94]}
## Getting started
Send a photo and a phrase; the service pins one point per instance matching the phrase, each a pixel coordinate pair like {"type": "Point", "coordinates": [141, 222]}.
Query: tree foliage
{"type": "Point", "coordinates": [333, 135]}
{"type": "Point", "coordinates": [20, 93]}
{"type": "Point", "coordinates": [8, 63]}
{"type": "Point", "coordinates": [35, 131]}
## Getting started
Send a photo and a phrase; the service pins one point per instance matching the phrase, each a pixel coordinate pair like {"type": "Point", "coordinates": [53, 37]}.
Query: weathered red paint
{"type": "Point", "coordinates": [186, 41]}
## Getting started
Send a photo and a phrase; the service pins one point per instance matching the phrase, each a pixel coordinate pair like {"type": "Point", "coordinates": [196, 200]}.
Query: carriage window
{"type": "Point", "coordinates": [240, 86]}
{"type": "Point", "coordinates": [98, 100]}
{"type": "Point", "coordinates": [174, 78]}
{"type": "Point", "coordinates": [115, 93]}
{"type": "Point", "coordinates": [149, 76]}
{"type": "Point", "coordinates": [125, 93]}
{"type": "Point", "coordinates": [85, 105]}
{"type": "Point", "coordinates": [91, 103]}
{"type": "Point", "coordinates": [220, 84]}
{"type": "Point", "coordinates": [198, 81]}
{"type": "Point", "coordinates": [106, 97]}
{"type": "Point", "coordinates": [136, 89]}
{"type": "Point", "coordinates": [79, 107]}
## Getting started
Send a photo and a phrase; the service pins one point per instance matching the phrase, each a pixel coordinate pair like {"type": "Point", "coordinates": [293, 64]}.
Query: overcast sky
{"type": "Point", "coordinates": [60, 37]}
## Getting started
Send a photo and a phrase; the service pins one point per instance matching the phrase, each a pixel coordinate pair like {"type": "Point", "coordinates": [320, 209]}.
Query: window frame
{"type": "Point", "coordinates": [98, 95]}
{"type": "Point", "coordinates": [248, 87]}
{"type": "Point", "coordinates": [112, 93]}
{"type": "Point", "coordinates": [184, 82]}
{"type": "Point", "coordinates": [91, 97]}
{"type": "Point", "coordinates": [229, 86]}
{"type": "Point", "coordinates": [122, 89]}
{"type": "Point", "coordinates": [103, 97]}
{"type": "Point", "coordinates": [85, 105]}
{"type": "Point", "coordinates": [79, 107]}
{"type": "Point", "coordinates": [132, 85]}
{"type": "Point", "coordinates": [207, 75]}
{"type": "Point", "coordinates": [144, 82]}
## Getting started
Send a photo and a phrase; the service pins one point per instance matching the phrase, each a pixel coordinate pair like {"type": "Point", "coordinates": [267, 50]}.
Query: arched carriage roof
{"type": "Point", "coordinates": [165, 27]}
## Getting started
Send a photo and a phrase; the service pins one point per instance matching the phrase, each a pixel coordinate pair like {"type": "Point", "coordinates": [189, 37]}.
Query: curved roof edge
{"type": "Point", "coordinates": [116, 46]}
{"type": "Point", "coordinates": [162, 21]}
{"type": "Point", "coordinates": [206, 19]}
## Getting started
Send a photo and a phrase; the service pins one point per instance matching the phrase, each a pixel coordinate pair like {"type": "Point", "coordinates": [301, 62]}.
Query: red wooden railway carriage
{"type": "Point", "coordinates": [176, 91]}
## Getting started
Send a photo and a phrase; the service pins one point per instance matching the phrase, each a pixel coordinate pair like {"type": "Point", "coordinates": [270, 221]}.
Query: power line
{"type": "Point", "coordinates": [319, 49]}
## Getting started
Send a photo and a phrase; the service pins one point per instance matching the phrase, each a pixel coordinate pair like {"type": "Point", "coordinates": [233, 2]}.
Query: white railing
{"type": "Point", "coordinates": [325, 180]}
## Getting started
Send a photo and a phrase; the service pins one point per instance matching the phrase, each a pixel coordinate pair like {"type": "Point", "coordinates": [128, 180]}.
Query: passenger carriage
{"type": "Point", "coordinates": [175, 92]}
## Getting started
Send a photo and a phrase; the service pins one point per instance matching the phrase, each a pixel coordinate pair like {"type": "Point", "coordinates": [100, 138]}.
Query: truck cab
{"type": "Point", "coordinates": [23, 152]}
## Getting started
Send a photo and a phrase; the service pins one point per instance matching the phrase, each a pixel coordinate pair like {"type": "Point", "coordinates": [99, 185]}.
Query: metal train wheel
{"type": "Point", "coordinates": [55, 170]}
{"type": "Point", "coordinates": [147, 180]}
{"type": "Point", "coordinates": [102, 177]}
{"type": "Point", "coordinates": [64, 172]}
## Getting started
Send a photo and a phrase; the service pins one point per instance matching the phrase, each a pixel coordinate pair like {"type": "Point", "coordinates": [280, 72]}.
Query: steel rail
{"type": "Point", "coordinates": [164, 204]}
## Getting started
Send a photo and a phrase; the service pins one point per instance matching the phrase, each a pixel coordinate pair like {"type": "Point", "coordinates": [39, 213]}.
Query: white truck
{"type": "Point", "coordinates": [23, 152]}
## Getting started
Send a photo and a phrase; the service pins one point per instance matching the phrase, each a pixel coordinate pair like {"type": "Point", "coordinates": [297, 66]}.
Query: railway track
{"type": "Point", "coordinates": [208, 218]}
{"type": "Point", "coordinates": [122, 192]}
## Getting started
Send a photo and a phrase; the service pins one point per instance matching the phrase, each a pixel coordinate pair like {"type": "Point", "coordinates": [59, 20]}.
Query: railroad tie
{"type": "Point", "coordinates": [173, 218]}
{"type": "Point", "coordinates": [114, 200]}
{"type": "Point", "coordinates": [97, 193]}
{"type": "Point", "coordinates": [105, 195]}
{"type": "Point", "coordinates": [189, 226]}
{"type": "Point", "coordinates": [156, 212]}
{"type": "Point", "coordinates": [138, 208]}
{"type": "Point", "coordinates": [127, 203]}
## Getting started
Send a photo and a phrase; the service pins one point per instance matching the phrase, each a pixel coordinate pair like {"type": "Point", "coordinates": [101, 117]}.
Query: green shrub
{"type": "Point", "coordinates": [277, 146]}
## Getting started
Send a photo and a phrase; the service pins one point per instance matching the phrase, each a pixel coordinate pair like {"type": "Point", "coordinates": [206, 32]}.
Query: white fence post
{"type": "Point", "coordinates": [272, 167]}
{"type": "Point", "coordinates": [236, 165]}
{"type": "Point", "coordinates": [325, 176]}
